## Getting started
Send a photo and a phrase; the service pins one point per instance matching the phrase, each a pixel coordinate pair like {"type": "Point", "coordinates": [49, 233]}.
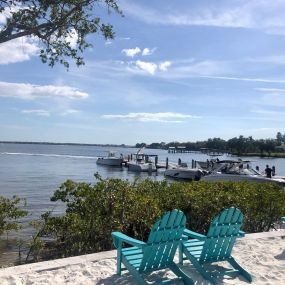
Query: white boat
{"type": "Point", "coordinates": [211, 164]}
{"type": "Point", "coordinates": [141, 167]}
{"type": "Point", "coordinates": [181, 171]}
{"type": "Point", "coordinates": [238, 171]}
{"type": "Point", "coordinates": [110, 160]}
{"type": "Point", "coordinates": [142, 163]}
{"type": "Point", "coordinates": [184, 173]}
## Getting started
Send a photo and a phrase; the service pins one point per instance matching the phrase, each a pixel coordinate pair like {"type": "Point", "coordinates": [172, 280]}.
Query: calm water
{"type": "Point", "coordinates": [34, 171]}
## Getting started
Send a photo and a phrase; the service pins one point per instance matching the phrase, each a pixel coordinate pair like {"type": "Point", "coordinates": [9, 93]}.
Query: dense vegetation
{"type": "Point", "coordinates": [94, 211]}
{"type": "Point", "coordinates": [237, 145]}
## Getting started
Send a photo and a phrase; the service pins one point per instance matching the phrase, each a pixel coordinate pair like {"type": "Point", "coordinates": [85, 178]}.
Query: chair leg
{"type": "Point", "coordinates": [187, 280]}
{"type": "Point", "coordinates": [136, 274]}
{"type": "Point", "coordinates": [242, 271]}
{"type": "Point", "coordinates": [180, 249]}
{"type": "Point", "coordinates": [199, 267]}
{"type": "Point", "coordinates": [119, 261]}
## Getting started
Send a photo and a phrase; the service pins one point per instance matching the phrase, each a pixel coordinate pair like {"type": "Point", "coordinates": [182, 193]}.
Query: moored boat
{"type": "Point", "coordinates": [184, 173]}
{"type": "Point", "coordinates": [110, 160]}
{"type": "Point", "coordinates": [142, 163]}
{"type": "Point", "coordinates": [238, 171]}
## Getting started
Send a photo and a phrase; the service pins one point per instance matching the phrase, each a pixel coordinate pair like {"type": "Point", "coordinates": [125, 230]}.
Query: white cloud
{"type": "Point", "coordinates": [164, 65]}
{"type": "Point", "coordinates": [192, 68]}
{"type": "Point", "coordinates": [273, 59]}
{"type": "Point", "coordinates": [131, 52]}
{"type": "Point", "coordinates": [124, 38]}
{"type": "Point", "coordinates": [265, 80]}
{"type": "Point", "coordinates": [45, 113]}
{"type": "Point", "coordinates": [147, 51]}
{"type": "Point", "coordinates": [268, 112]}
{"type": "Point", "coordinates": [254, 14]}
{"type": "Point", "coordinates": [7, 12]}
{"type": "Point", "coordinates": [17, 50]}
{"type": "Point", "coordinates": [3, 17]}
{"type": "Point", "coordinates": [30, 91]}
{"type": "Point", "coordinates": [180, 69]}
{"type": "Point", "coordinates": [70, 112]}
{"type": "Point", "coordinates": [42, 113]}
{"type": "Point", "coordinates": [272, 97]}
{"type": "Point", "coordinates": [271, 90]}
{"type": "Point", "coordinates": [108, 42]}
{"type": "Point", "coordinates": [168, 117]}
{"type": "Point", "coordinates": [149, 67]}
{"type": "Point", "coordinates": [72, 38]}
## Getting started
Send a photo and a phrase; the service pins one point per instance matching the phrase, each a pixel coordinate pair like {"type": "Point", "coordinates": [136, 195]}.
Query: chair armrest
{"type": "Point", "coordinates": [241, 234]}
{"type": "Point", "coordinates": [194, 235]}
{"type": "Point", "coordinates": [119, 238]}
{"type": "Point", "coordinates": [184, 237]}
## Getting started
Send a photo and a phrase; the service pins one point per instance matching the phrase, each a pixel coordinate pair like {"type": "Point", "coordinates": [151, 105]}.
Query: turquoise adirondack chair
{"type": "Point", "coordinates": [282, 222]}
{"type": "Point", "coordinates": [215, 246]}
{"type": "Point", "coordinates": [157, 253]}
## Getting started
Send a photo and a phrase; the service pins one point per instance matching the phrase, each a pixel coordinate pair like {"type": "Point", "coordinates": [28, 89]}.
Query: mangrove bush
{"type": "Point", "coordinates": [94, 211]}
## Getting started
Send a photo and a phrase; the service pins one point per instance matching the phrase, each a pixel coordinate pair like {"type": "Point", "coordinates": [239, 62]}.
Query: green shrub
{"type": "Point", "coordinates": [94, 211]}
{"type": "Point", "coordinates": [10, 212]}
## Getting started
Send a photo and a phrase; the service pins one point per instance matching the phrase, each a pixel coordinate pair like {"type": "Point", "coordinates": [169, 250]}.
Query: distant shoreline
{"type": "Point", "coordinates": [272, 155]}
{"type": "Point", "coordinates": [55, 143]}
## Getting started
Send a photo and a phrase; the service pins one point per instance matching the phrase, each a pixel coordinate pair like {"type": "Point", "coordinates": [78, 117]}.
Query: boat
{"type": "Point", "coordinates": [110, 160]}
{"type": "Point", "coordinates": [210, 164]}
{"type": "Point", "coordinates": [182, 171]}
{"type": "Point", "coordinates": [238, 171]}
{"type": "Point", "coordinates": [142, 163]}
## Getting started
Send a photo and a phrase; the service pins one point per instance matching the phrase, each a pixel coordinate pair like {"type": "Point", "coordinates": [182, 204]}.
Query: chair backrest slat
{"type": "Point", "coordinates": [222, 235]}
{"type": "Point", "coordinates": [163, 241]}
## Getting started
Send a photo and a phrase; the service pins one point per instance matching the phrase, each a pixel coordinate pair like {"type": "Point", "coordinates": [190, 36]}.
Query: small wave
{"type": "Point", "coordinates": [49, 155]}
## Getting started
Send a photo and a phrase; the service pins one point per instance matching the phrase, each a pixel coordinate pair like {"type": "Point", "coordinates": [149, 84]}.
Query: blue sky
{"type": "Point", "coordinates": [176, 71]}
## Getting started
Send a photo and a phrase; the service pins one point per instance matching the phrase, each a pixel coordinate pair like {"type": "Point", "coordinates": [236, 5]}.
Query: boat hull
{"type": "Point", "coordinates": [239, 178]}
{"type": "Point", "coordinates": [109, 161]}
{"type": "Point", "coordinates": [141, 167]}
{"type": "Point", "coordinates": [186, 174]}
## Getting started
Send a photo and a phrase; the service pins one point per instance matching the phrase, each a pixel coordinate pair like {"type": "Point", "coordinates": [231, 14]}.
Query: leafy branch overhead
{"type": "Point", "coordinates": [61, 27]}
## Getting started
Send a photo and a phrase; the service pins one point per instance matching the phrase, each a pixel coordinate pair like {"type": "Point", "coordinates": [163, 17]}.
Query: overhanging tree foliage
{"type": "Point", "coordinates": [57, 25]}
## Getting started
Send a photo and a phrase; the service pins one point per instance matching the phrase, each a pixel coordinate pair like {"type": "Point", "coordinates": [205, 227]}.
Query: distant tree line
{"type": "Point", "coordinates": [237, 145]}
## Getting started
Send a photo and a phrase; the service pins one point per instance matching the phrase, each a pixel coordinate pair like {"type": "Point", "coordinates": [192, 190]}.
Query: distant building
{"type": "Point", "coordinates": [280, 148]}
{"type": "Point", "coordinates": [178, 149]}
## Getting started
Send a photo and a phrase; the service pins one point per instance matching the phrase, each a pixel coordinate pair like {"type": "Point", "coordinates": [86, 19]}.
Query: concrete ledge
{"type": "Point", "coordinates": [280, 233]}
{"type": "Point", "coordinates": [59, 263]}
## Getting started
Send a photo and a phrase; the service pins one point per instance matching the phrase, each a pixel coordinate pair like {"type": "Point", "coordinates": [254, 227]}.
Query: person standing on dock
{"type": "Point", "coordinates": [273, 170]}
{"type": "Point", "coordinates": [268, 171]}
